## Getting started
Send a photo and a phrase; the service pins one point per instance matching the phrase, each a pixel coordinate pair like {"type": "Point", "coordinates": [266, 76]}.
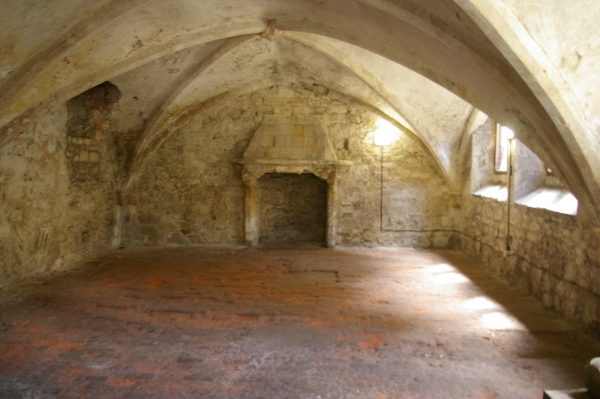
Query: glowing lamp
{"type": "Point", "coordinates": [385, 133]}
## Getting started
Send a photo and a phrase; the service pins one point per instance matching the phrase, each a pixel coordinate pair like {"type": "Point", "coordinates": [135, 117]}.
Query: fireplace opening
{"type": "Point", "coordinates": [292, 208]}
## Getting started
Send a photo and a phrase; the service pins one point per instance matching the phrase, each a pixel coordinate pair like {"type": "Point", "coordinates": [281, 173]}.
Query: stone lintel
{"type": "Point", "coordinates": [290, 162]}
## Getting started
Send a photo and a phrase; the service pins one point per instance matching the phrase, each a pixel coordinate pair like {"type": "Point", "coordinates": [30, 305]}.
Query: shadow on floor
{"type": "Point", "coordinates": [546, 334]}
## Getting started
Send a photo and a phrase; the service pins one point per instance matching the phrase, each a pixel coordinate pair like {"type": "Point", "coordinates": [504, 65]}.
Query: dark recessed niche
{"type": "Point", "coordinates": [292, 207]}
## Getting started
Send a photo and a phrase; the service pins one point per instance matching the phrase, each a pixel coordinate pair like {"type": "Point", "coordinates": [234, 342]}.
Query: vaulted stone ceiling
{"type": "Point", "coordinates": [422, 64]}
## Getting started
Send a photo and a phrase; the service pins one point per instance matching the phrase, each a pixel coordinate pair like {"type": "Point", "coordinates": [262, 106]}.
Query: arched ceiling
{"type": "Point", "coordinates": [423, 107]}
{"type": "Point", "coordinates": [421, 63]}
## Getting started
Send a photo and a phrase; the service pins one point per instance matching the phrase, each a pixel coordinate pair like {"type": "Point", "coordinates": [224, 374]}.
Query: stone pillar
{"type": "Point", "coordinates": [331, 212]}
{"type": "Point", "coordinates": [251, 216]}
{"type": "Point", "coordinates": [250, 176]}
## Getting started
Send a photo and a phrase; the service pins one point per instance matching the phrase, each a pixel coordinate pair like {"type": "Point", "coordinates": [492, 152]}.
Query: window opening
{"type": "Point", "coordinates": [503, 137]}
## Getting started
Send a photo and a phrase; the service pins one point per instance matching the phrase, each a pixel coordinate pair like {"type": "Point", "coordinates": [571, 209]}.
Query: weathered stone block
{"type": "Point", "coordinates": [273, 130]}
{"type": "Point", "coordinates": [148, 219]}
{"type": "Point", "coordinates": [534, 227]}
{"type": "Point", "coordinates": [532, 237]}
{"type": "Point", "coordinates": [280, 141]}
{"type": "Point", "coordinates": [355, 119]}
{"type": "Point", "coordinates": [286, 129]}
{"type": "Point", "coordinates": [282, 110]}
{"type": "Point", "coordinates": [295, 153]}
{"type": "Point", "coordinates": [337, 109]}
{"type": "Point", "coordinates": [440, 240]}
{"type": "Point", "coordinates": [300, 111]}
{"type": "Point", "coordinates": [284, 92]}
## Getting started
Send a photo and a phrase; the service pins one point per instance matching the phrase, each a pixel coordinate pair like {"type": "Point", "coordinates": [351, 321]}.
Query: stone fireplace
{"type": "Point", "coordinates": [289, 144]}
{"type": "Point", "coordinates": [292, 207]}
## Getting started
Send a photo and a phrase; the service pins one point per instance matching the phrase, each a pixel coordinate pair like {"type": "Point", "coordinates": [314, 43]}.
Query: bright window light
{"type": "Point", "coordinates": [480, 303]}
{"type": "Point", "coordinates": [450, 278]}
{"type": "Point", "coordinates": [506, 133]}
{"type": "Point", "coordinates": [501, 321]}
{"type": "Point", "coordinates": [499, 193]}
{"type": "Point", "coordinates": [442, 268]}
{"type": "Point", "coordinates": [385, 133]}
{"type": "Point", "coordinates": [503, 137]}
{"type": "Point", "coordinates": [556, 200]}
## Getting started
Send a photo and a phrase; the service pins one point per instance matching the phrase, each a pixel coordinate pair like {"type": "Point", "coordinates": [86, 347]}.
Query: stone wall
{"type": "Point", "coordinates": [190, 192]}
{"type": "Point", "coordinates": [549, 255]}
{"type": "Point", "coordinates": [552, 256]}
{"type": "Point", "coordinates": [89, 118]}
{"type": "Point", "coordinates": [482, 158]}
{"type": "Point", "coordinates": [404, 203]}
{"type": "Point", "coordinates": [55, 205]}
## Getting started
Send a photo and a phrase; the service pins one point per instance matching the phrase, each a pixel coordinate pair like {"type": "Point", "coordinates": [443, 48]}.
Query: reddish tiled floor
{"type": "Point", "coordinates": [344, 323]}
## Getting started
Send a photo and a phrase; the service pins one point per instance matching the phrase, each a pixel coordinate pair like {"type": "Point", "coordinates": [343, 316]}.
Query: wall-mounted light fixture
{"type": "Point", "coordinates": [385, 133]}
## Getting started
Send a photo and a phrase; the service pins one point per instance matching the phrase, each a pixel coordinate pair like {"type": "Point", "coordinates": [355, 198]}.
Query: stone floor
{"type": "Point", "coordinates": [282, 323]}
